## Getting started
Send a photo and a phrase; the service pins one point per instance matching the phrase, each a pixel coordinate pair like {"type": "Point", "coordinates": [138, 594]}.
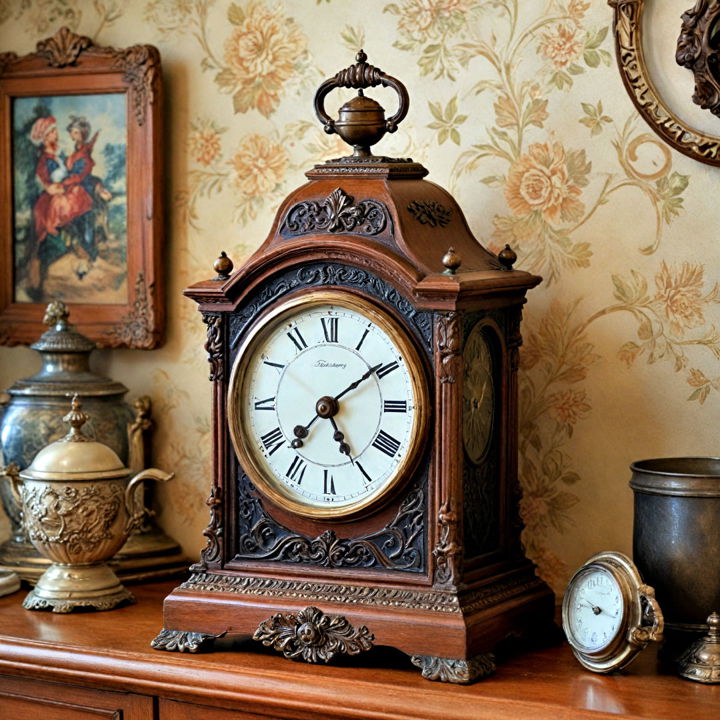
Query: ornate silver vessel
{"type": "Point", "coordinates": [79, 506]}
{"type": "Point", "coordinates": [33, 418]}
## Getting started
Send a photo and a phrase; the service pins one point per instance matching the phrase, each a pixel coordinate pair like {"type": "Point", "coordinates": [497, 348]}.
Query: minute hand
{"type": "Point", "coordinates": [357, 382]}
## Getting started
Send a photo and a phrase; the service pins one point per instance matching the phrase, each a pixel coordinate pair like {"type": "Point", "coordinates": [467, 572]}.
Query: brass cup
{"type": "Point", "coordinates": [79, 525]}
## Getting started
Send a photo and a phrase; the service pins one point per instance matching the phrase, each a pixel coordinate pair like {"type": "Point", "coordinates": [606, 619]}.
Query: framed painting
{"type": "Point", "coordinates": [80, 202]}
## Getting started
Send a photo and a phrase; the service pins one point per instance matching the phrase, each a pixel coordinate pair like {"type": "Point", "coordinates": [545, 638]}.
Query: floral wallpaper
{"type": "Point", "coordinates": [518, 109]}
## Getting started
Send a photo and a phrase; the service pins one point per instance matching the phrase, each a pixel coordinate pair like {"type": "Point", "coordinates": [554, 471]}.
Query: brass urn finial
{"type": "Point", "coordinates": [223, 266]}
{"type": "Point", "coordinates": [452, 261]}
{"type": "Point", "coordinates": [76, 418]}
{"type": "Point", "coordinates": [361, 122]}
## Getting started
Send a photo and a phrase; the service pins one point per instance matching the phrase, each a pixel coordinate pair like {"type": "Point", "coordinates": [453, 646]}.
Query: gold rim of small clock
{"type": "Point", "coordinates": [641, 619]}
{"type": "Point", "coordinates": [247, 448]}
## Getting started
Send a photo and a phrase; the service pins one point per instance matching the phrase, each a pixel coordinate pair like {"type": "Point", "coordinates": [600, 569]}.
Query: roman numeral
{"type": "Point", "coordinates": [330, 328]}
{"type": "Point", "coordinates": [266, 404]}
{"type": "Point", "coordinates": [296, 471]}
{"type": "Point", "coordinates": [328, 483]}
{"type": "Point", "coordinates": [362, 470]}
{"type": "Point", "coordinates": [297, 339]}
{"type": "Point", "coordinates": [272, 440]}
{"type": "Point", "coordinates": [395, 406]}
{"type": "Point", "coordinates": [386, 443]}
{"type": "Point", "coordinates": [387, 369]}
{"type": "Point", "coordinates": [364, 335]}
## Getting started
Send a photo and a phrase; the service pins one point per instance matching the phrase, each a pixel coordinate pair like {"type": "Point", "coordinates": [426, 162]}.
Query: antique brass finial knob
{"type": "Point", "coordinates": [507, 257]}
{"type": "Point", "coordinates": [76, 419]}
{"type": "Point", "coordinates": [223, 266]}
{"type": "Point", "coordinates": [361, 122]}
{"type": "Point", "coordinates": [452, 261]}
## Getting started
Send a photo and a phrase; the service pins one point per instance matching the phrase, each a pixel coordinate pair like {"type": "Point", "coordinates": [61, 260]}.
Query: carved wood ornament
{"type": "Point", "coordinates": [634, 72]}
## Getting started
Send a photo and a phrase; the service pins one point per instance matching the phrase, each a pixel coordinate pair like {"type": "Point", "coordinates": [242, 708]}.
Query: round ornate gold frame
{"type": "Point", "coordinates": [627, 28]}
{"type": "Point", "coordinates": [246, 448]}
{"type": "Point", "coordinates": [639, 608]}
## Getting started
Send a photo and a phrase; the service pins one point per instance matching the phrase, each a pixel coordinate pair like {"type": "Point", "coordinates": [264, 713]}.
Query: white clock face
{"type": "Point", "coordinates": [595, 608]}
{"type": "Point", "coordinates": [327, 395]}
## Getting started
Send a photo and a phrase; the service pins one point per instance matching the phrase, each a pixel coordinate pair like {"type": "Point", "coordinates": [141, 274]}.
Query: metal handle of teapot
{"type": "Point", "coordinates": [12, 473]}
{"type": "Point", "coordinates": [361, 76]}
{"type": "Point", "coordinates": [134, 504]}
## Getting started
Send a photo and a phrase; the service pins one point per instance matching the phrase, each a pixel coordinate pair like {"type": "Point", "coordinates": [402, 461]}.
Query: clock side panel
{"type": "Point", "coordinates": [260, 537]}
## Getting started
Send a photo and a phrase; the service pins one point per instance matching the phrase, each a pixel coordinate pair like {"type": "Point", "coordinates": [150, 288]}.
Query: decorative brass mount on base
{"type": "Point", "coordinates": [701, 661]}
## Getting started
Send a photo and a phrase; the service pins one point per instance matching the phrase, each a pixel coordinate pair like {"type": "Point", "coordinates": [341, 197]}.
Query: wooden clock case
{"type": "Point", "coordinates": [437, 571]}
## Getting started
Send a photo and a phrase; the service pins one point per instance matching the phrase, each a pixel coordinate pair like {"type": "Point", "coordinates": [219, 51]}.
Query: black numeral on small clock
{"type": "Point", "coordinates": [266, 404]}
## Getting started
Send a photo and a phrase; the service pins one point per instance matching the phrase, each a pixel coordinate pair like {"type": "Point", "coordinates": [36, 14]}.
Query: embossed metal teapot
{"type": "Point", "coordinates": [79, 505]}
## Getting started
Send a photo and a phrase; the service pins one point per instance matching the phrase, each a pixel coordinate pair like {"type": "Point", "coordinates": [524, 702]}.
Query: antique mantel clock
{"type": "Point", "coordinates": [364, 366]}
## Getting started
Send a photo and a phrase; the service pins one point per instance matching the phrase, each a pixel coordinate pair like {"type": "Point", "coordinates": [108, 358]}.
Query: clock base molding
{"type": "Point", "coordinates": [450, 635]}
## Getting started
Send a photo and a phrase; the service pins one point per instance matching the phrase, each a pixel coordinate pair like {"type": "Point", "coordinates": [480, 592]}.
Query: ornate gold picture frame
{"type": "Point", "coordinates": [80, 202]}
{"type": "Point", "coordinates": [627, 28]}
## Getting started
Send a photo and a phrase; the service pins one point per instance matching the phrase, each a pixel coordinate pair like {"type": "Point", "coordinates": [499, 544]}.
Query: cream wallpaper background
{"type": "Point", "coordinates": [517, 108]}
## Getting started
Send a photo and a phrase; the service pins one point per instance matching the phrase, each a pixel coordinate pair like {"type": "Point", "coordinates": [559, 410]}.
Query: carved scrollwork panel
{"type": "Point", "coordinates": [627, 27]}
{"type": "Point", "coordinates": [337, 213]}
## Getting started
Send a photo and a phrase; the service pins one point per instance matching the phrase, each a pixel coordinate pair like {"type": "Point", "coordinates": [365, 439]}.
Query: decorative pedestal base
{"type": "Point", "coordinates": [64, 588]}
{"type": "Point", "coordinates": [145, 557]}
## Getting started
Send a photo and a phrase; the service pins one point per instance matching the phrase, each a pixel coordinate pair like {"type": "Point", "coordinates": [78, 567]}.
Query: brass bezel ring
{"type": "Point", "coordinates": [246, 449]}
{"type": "Point", "coordinates": [632, 635]}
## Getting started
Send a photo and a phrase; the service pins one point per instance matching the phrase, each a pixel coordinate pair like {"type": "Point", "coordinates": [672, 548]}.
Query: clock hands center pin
{"type": "Point", "coordinates": [327, 407]}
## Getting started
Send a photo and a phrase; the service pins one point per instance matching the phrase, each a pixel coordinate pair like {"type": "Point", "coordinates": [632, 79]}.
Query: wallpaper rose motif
{"type": "Point", "coordinates": [518, 109]}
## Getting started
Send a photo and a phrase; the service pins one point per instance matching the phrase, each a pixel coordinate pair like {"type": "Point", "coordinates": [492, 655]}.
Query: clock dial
{"type": "Point", "coordinates": [478, 395]}
{"type": "Point", "coordinates": [327, 403]}
{"type": "Point", "coordinates": [595, 607]}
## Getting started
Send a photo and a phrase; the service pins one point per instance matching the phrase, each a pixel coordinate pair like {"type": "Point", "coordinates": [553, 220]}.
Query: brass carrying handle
{"type": "Point", "coordinates": [361, 76]}
{"type": "Point", "coordinates": [134, 506]}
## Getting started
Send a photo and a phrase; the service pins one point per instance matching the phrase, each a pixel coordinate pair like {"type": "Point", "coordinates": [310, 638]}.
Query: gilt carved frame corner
{"type": "Point", "coordinates": [627, 29]}
{"type": "Point", "coordinates": [81, 211]}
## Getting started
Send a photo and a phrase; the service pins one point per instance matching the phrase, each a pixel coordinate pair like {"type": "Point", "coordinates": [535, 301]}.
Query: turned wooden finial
{"type": "Point", "coordinates": [223, 266]}
{"type": "Point", "coordinates": [452, 261]}
{"type": "Point", "coordinates": [507, 257]}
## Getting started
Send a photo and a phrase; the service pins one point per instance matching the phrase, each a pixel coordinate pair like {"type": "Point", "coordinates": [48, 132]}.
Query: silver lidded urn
{"type": "Point", "coordinates": [79, 506]}
{"type": "Point", "coordinates": [32, 418]}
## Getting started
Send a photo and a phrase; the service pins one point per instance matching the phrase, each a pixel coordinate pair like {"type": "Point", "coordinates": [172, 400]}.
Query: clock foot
{"type": "Point", "coordinates": [182, 641]}
{"type": "Point", "coordinates": [461, 672]}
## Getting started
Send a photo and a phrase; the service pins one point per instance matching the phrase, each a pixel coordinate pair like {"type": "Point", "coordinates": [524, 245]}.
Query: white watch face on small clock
{"type": "Point", "coordinates": [327, 404]}
{"type": "Point", "coordinates": [595, 608]}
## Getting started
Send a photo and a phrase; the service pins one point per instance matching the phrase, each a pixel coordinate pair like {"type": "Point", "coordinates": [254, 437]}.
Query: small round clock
{"type": "Point", "coordinates": [327, 404]}
{"type": "Point", "coordinates": [608, 614]}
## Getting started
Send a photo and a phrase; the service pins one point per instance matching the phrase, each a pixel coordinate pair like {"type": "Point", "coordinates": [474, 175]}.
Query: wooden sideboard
{"type": "Point", "coordinates": [95, 666]}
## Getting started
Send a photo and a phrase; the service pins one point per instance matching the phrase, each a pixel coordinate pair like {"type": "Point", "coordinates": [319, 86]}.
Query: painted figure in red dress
{"type": "Point", "coordinates": [64, 198]}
